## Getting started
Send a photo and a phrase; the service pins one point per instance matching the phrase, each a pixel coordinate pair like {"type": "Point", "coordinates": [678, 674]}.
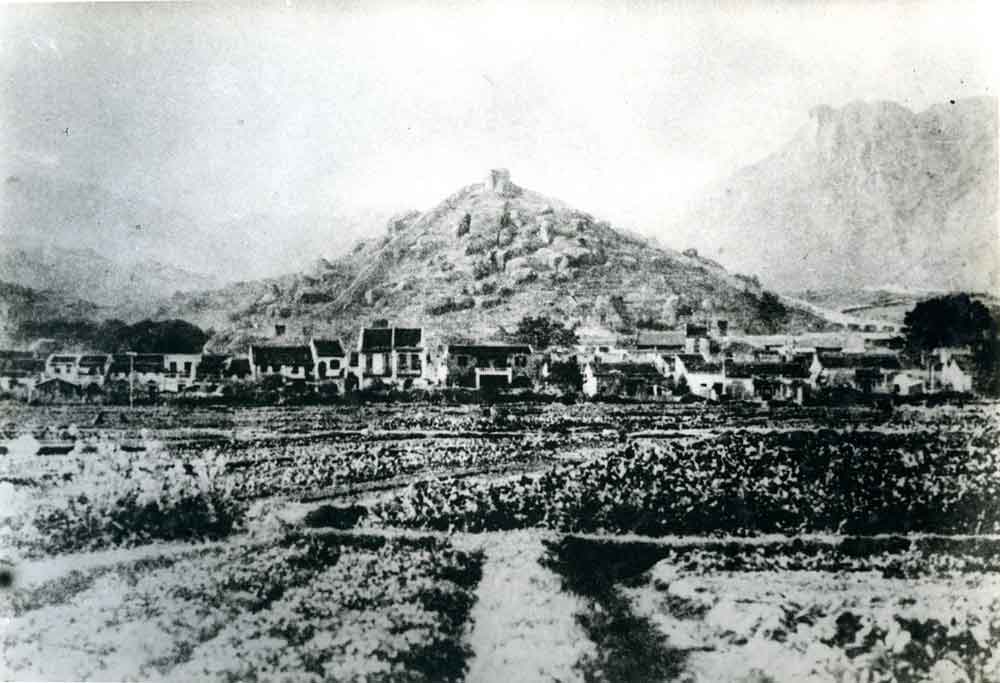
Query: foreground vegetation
{"type": "Point", "coordinates": [739, 483]}
{"type": "Point", "coordinates": [171, 544]}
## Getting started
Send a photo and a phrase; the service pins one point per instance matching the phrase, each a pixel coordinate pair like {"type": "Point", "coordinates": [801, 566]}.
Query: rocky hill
{"type": "Point", "coordinates": [871, 194]}
{"type": "Point", "coordinates": [483, 258]}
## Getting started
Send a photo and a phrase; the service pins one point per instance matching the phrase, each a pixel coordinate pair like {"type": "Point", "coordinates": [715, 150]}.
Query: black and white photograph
{"type": "Point", "coordinates": [500, 342]}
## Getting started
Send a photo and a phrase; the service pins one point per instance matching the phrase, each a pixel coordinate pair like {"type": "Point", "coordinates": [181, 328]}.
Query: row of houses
{"type": "Point", "coordinates": [701, 359]}
{"type": "Point", "coordinates": [383, 356]}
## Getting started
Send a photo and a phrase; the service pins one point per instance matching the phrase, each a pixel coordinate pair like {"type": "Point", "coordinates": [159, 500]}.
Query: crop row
{"type": "Point", "coordinates": [738, 482]}
{"type": "Point", "coordinates": [53, 423]}
{"type": "Point", "coordinates": [302, 608]}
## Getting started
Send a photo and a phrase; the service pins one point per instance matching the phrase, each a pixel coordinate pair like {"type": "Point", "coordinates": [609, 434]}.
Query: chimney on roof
{"type": "Point", "coordinates": [498, 181]}
{"type": "Point", "coordinates": [279, 330]}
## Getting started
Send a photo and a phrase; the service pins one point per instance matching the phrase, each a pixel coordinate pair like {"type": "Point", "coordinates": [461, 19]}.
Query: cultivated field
{"type": "Point", "coordinates": [519, 543]}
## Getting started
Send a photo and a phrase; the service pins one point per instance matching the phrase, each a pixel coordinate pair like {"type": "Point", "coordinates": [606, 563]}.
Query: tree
{"type": "Point", "coordinates": [771, 312]}
{"type": "Point", "coordinates": [945, 321]}
{"type": "Point", "coordinates": [565, 375]}
{"type": "Point", "coordinates": [160, 336]}
{"type": "Point", "coordinates": [681, 388]}
{"type": "Point", "coordinates": [957, 320]}
{"type": "Point", "coordinates": [541, 333]}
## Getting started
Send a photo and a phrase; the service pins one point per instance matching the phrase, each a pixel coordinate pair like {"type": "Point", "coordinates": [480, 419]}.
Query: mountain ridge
{"type": "Point", "coordinates": [861, 195]}
{"type": "Point", "coordinates": [124, 290]}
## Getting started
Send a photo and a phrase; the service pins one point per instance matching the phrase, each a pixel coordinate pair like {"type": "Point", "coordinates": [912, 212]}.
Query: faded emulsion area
{"type": "Point", "coordinates": [499, 342]}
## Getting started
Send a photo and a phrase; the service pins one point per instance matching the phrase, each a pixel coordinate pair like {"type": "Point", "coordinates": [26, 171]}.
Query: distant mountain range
{"type": "Point", "coordinates": [125, 290]}
{"type": "Point", "coordinates": [485, 257]}
{"type": "Point", "coordinates": [889, 304]}
{"type": "Point", "coordinates": [864, 196]}
{"type": "Point", "coordinates": [871, 194]}
{"type": "Point", "coordinates": [63, 234]}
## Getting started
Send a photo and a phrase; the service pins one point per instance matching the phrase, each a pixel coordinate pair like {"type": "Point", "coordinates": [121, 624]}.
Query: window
{"type": "Point", "coordinates": [368, 363]}
{"type": "Point", "coordinates": [404, 361]}
{"type": "Point", "coordinates": [335, 364]}
{"type": "Point", "coordinates": [354, 359]}
{"type": "Point", "coordinates": [173, 366]}
{"type": "Point", "coordinates": [415, 362]}
{"type": "Point", "coordinates": [187, 368]}
{"type": "Point", "coordinates": [57, 369]}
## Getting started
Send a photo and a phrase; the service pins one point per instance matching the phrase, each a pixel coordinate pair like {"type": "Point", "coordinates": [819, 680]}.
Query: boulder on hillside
{"type": "Point", "coordinates": [314, 297]}
{"type": "Point", "coordinates": [523, 274]}
{"type": "Point", "coordinates": [402, 221]}
{"type": "Point", "coordinates": [450, 305]}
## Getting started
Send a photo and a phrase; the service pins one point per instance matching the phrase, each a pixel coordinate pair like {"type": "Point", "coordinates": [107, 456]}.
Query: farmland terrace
{"type": "Point", "coordinates": [526, 542]}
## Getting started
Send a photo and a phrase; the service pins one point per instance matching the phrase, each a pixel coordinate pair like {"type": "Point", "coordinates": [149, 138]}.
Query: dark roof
{"type": "Point", "coordinates": [57, 384]}
{"type": "Point", "coordinates": [867, 373]}
{"type": "Point", "coordinates": [144, 363]}
{"type": "Point", "coordinates": [93, 361]}
{"type": "Point", "coordinates": [888, 343]}
{"type": "Point", "coordinates": [282, 355]}
{"type": "Point", "coordinates": [658, 339]}
{"type": "Point", "coordinates": [212, 364]}
{"type": "Point", "coordinates": [63, 359]}
{"type": "Point", "coordinates": [488, 350]}
{"type": "Point", "coordinates": [389, 338]}
{"type": "Point", "coordinates": [213, 361]}
{"type": "Point", "coordinates": [408, 338]}
{"type": "Point", "coordinates": [328, 347]}
{"type": "Point", "coordinates": [376, 339]}
{"type": "Point", "coordinates": [238, 367]}
{"type": "Point", "coordinates": [747, 370]}
{"type": "Point", "coordinates": [860, 360]}
{"type": "Point", "coordinates": [696, 330]}
{"type": "Point", "coordinates": [693, 362]}
{"type": "Point", "coordinates": [627, 369]}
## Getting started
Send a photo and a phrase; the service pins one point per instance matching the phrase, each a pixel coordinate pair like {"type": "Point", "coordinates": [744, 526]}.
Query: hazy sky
{"type": "Point", "coordinates": [627, 111]}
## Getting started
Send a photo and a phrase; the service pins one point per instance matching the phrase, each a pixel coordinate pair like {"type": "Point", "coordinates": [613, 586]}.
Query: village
{"type": "Point", "coordinates": [701, 361]}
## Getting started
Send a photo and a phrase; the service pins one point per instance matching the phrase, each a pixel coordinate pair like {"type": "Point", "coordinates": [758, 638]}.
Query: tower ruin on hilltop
{"type": "Point", "coordinates": [498, 181]}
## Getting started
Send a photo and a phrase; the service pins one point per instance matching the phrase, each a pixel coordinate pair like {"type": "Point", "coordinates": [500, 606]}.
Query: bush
{"type": "Point", "coordinates": [450, 305]}
{"type": "Point", "coordinates": [107, 496]}
{"type": "Point", "coordinates": [482, 268]}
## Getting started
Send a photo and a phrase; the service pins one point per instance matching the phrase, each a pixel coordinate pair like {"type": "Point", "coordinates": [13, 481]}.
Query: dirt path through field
{"type": "Point", "coordinates": [523, 627]}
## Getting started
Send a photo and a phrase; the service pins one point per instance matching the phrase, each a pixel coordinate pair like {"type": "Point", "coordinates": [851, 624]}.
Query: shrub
{"type": "Point", "coordinates": [482, 268]}
{"type": "Point", "coordinates": [110, 497]}
{"type": "Point", "coordinates": [450, 305]}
